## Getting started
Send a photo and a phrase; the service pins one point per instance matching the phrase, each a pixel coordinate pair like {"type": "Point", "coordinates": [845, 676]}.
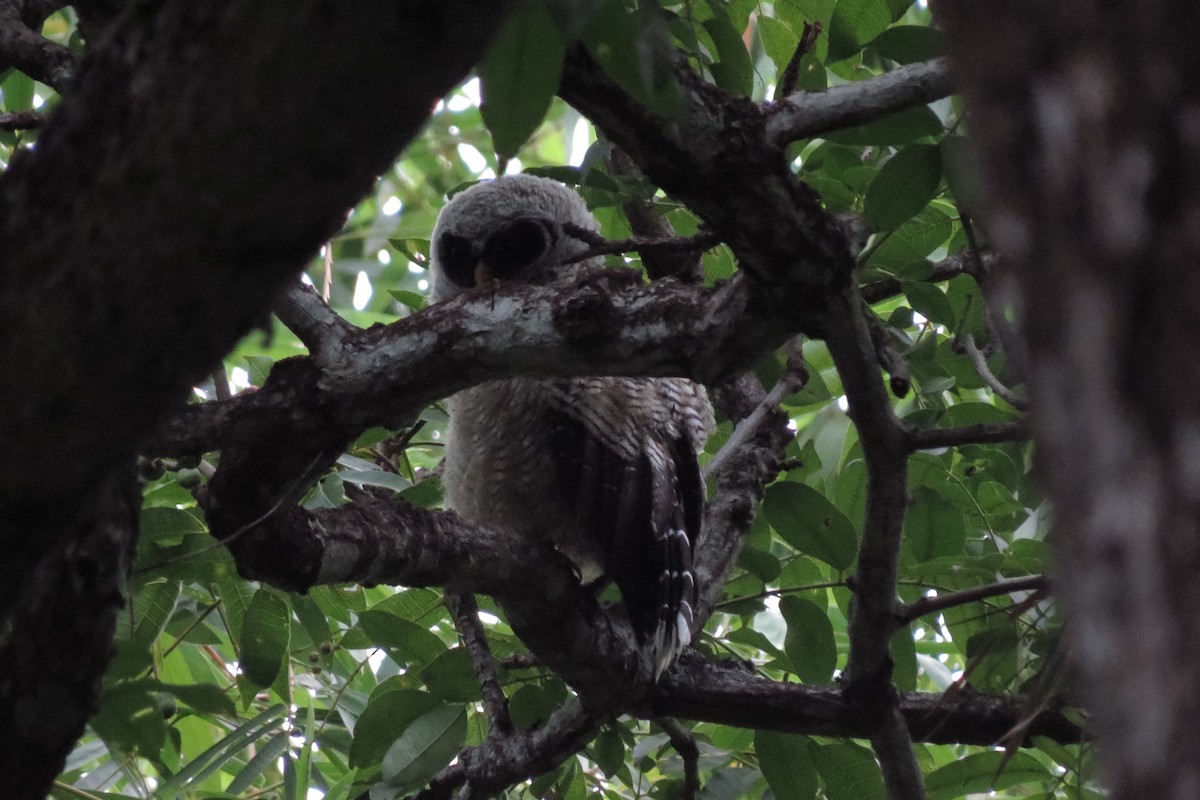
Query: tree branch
{"type": "Point", "coordinates": [463, 607]}
{"type": "Point", "coordinates": [980, 433]}
{"type": "Point", "coordinates": [22, 120]}
{"type": "Point", "coordinates": [602, 324]}
{"type": "Point", "coordinates": [934, 605]}
{"type": "Point", "coordinates": [729, 693]}
{"type": "Point", "coordinates": [31, 53]}
{"type": "Point", "coordinates": [806, 114]}
{"type": "Point", "coordinates": [981, 366]}
{"type": "Point", "coordinates": [318, 326]}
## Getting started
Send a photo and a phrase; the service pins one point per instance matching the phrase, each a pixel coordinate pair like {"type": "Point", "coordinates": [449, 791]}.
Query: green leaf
{"type": "Point", "coordinates": [899, 128]}
{"type": "Point", "coordinates": [897, 8]}
{"type": "Point", "coordinates": [266, 756]}
{"type": "Point", "coordinates": [266, 633]}
{"type": "Point", "coordinates": [384, 720]}
{"type": "Point", "coordinates": [796, 12]}
{"type": "Point", "coordinates": [205, 698]}
{"type": "Point", "coordinates": [608, 751]}
{"type": "Point", "coordinates": [519, 76]}
{"type": "Point", "coordinates": [849, 772]}
{"type": "Point", "coordinates": [907, 44]}
{"type": "Point", "coordinates": [152, 608]}
{"type": "Point", "coordinates": [913, 241]}
{"type": "Point", "coordinates": [636, 52]}
{"type": "Point", "coordinates": [784, 761]}
{"type": "Point", "coordinates": [810, 523]}
{"type": "Point", "coordinates": [220, 753]}
{"type": "Point", "coordinates": [854, 23]}
{"type": "Point", "coordinates": [412, 643]}
{"type": "Point", "coordinates": [982, 773]}
{"type": "Point", "coordinates": [904, 658]}
{"type": "Point", "coordinates": [730, 783]}
{"type": "Point", "coordinates": [412, 300]}
{"type": "Point", "coordinates": [733, 72]}
{"type": "Point", "coordinates": [778, 40]}
{"type": "Point", "coordinates": [451, 676]}
{"type": "Point", "coordinates": [415, 250]}
{"type": "Point", "coordinates": [426, 746]}
{"type": "Point", "coordinates": [904, 186]}
{"type": "Point", "coordinates": [129, 718]}
{"type": "Point", "coordinates": [17, 90]}
{"type": "Point", "coordinates": [258, 369]}
{"type": "Point", "coordinates": [929, 301]}
{"type": "Point", "coordinates": [933, 527]}
{"type": "Point", "coordinates": [809, 643]}
{"type": "Point", "coordinates": [532, 705]}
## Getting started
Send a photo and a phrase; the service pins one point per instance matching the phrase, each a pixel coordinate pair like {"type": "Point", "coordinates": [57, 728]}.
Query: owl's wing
{"type": "Point", "coordinates": [625, 464]}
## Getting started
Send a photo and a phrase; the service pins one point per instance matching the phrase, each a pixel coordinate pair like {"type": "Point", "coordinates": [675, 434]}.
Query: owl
{"type": "Point", "coordinates": [604, 468]}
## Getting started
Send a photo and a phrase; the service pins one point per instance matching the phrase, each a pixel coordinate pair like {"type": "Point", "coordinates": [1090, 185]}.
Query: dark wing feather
{"type": "Point", "coordinates": [637, 515]}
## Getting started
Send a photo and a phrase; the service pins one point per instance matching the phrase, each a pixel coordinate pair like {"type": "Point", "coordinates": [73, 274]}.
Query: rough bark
{"type": "Point", "coordinates": [1088, 127]}
{"type": "Point", "coordinates": [200, 156]}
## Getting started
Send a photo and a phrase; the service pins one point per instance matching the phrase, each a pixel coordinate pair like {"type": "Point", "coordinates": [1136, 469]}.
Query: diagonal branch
{"type": "Point", "coordinates": [806, 114]}
{"type": "Point", "coordinates": [30, 52]}
{"type": "Point", "coordinates": [465, 610]}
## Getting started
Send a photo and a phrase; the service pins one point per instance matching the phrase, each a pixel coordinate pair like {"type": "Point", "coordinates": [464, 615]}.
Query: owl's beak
{"type": "Point", "coordinates": [483, 273]}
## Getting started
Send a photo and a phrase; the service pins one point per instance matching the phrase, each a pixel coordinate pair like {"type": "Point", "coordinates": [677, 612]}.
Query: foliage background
{"type": "Point", "coordinates": [225, 688]}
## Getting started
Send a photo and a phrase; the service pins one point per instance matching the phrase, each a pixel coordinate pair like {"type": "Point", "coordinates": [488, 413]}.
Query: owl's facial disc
{"type": "Point", "coordinates": [516, 246]}
{"type": "Point", "coordinates": [507, 254]}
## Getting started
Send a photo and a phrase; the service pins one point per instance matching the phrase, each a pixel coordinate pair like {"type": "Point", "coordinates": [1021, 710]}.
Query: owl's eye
{"type": "Point", "coordinates": [517, 245]}
{"type": "Point", "coordinates": [457, 259]}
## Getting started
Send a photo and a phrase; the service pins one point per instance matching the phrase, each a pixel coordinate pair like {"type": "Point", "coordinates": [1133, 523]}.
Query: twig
{"type": "Point", "coordinates": [599, 246]}
{"type": "Point", "coordinates": [791, 73]}
{"type": "Point", "coordinates": [22, 120]}
{"type": "Point", "coordinates": [952, 267]}
{"type": "Point", "coordinates": [685, 744]}
{"type": "Point", "coordinates": [981, 433]}
{"type": "Point", "coordinates": [466, 618]}
{"type": "Point", "coordinates": [319, 327]}
{"type": "Point", "coordinates": [981, 366]}
{"type": "Point", "coordinates": [899, 378]}
{"type": "Point", "coordinates": [934, 605]}
{"type": "Point", "coordinates": [646, 222]}
{"type": "Point", "coordinates": [793, 380]}
{"type": "Point", "coordinates": [221, 383]}
{"type": "Point", "coordinates": [520, 661]}
{"type": "Point", "coordinates": [327, 281]}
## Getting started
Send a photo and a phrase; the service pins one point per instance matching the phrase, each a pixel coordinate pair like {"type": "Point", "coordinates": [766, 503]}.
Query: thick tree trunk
{"type": "Point", "coordinates": [1087, 116]}
{"type": "Point", "coordinates": [200, 157]}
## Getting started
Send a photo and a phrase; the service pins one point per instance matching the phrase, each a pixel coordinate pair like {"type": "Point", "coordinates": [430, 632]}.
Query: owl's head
{"type": "Point", "coordinates": [509, 228]}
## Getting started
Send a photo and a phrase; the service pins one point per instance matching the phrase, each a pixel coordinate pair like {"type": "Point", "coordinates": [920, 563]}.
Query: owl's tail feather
{"type": "Point", "coordinates": [676, 594]}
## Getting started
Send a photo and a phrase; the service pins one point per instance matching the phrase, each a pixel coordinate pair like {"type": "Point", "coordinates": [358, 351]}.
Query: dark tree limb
{"type": "Point", "coordinates": [30, 52]}
{"type": "Point", "coordinates": [22, 120]}
{"type": "Point", "coordinates": [465, 611]}
{"type": "Point", "coordinates": [685, 745]}
{"type": "Point", "coordinates": [980, 433]}
{"type": "Point", "coordinates": [113, 310]}
{"type": "Point", "coordinates": [729, 693]}
{"type": "Point", "coordinates": [1105, 262]}
{"type": "Point", "coordinates": [867, 678]}
{"type": "Point", "coordinates": [315, 324]}
{"type": "Point", "coordinates": [935, 605]}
